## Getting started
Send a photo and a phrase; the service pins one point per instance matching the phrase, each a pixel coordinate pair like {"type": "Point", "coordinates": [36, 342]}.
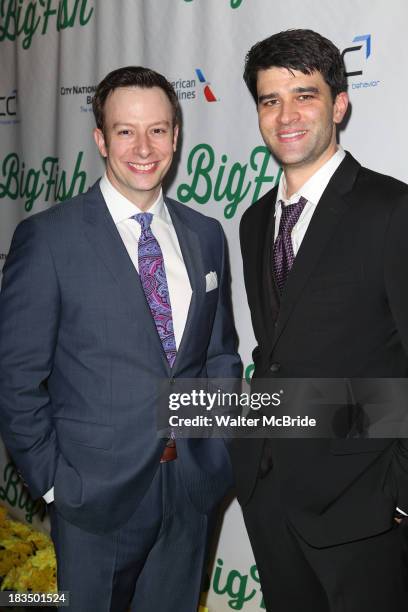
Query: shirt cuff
{"type": "Point", "coordinates": [49, 496]}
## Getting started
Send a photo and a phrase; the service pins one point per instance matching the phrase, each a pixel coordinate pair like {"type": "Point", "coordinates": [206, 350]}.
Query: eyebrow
{"type": "Point", "coordinates": [125, 124]}
{"type": "Point", "coordinates": [296, 90]}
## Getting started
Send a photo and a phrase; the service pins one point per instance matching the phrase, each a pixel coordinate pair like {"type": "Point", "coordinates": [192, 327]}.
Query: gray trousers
{"type": "Point", "coordinates": [154, 562]}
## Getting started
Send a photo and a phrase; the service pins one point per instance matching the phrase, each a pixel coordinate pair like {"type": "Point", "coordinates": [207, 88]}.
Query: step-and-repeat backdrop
{"type": "Point", "coordinates": [54, 52]}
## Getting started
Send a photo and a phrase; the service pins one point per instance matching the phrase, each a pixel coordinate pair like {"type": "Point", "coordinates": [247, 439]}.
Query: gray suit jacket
{"type": "Point", "coordinates": [80, 358]}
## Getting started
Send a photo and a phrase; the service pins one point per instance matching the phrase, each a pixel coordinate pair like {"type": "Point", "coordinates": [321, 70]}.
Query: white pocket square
{"type": "Point", "coordinates": [211, 281]}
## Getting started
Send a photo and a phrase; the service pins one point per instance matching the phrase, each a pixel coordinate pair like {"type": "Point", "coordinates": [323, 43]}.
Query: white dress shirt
{"type": "Point", "coordinates": [122, 211]}
{"type": "Point", "coordinates": [312, 191]}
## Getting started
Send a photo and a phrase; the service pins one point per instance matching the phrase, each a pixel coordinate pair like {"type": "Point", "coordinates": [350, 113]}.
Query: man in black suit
{"type": "Point", "coordinates": [325, 263]}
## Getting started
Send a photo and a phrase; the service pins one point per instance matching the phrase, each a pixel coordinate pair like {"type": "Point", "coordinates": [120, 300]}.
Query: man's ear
{"type": "Point", "coordinates": [100, 142]}
{"type": "Point", "coordinates": [175, 137]}
{"type": "Point", "coordinates": [340, 106]}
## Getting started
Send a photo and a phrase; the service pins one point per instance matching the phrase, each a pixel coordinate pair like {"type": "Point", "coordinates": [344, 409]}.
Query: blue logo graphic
{"type": "Point", "coordinates": [367, 39]}
{"type": "Point", "coordinates": [208, 93]}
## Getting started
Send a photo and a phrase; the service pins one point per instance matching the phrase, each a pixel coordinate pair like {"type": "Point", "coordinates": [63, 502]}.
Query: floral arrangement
{"type": "Point", "coordinates": [27, 558]}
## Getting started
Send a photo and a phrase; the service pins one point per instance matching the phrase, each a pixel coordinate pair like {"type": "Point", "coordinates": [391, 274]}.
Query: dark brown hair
{"type": "Point", "coordinates": [303, 50]}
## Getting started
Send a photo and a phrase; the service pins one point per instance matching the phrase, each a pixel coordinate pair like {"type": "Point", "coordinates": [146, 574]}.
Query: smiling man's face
{"type": "Point", "coordinates": [138, 142]}
{"type": "Point", "coordinates": [297, 117]}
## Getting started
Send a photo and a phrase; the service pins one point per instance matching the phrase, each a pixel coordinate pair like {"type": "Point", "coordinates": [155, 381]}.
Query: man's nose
{"type": "Point", "coordinates": [142, 145]}
{"type": "Point", "coordinates": [288, 113]}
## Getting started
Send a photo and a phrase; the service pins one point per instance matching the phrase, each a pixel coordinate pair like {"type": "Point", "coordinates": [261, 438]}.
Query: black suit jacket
{"type": "Point", "coordinates": [343, 313]}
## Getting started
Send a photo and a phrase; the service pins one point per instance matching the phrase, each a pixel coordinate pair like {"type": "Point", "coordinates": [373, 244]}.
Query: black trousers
{"type": "Point", "coordinates": [154, 562]}
{"type": "Point", "coordinates": [368, 575]}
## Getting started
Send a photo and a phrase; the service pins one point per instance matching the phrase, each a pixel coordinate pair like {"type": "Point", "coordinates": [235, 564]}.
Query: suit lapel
{"type": "Point", "coordinates": [270, 296]}
{"type": "Point", "coordinates": [106, 241]}
{"type": "Point", "coordinates": [192, 255]}
{"type": "Point", "coordinates": [330, 209]}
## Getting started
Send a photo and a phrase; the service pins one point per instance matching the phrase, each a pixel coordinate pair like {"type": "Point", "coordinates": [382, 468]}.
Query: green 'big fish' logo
{"type": "Point", "coordinates": [220, 183]}
{"type": "Point", "coordinates": [25, 20]}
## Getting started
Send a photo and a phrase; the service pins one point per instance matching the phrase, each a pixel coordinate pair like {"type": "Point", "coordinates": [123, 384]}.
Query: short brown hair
{"type": "Point", "coordinates": [303, 50]}
{"type": "Point", "coordinates": [132, 76]}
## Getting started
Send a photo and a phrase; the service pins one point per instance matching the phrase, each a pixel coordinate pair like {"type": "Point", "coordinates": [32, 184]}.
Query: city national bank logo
{"type": "Point", "coordinates": [357, 57]}
{"type": "Point", "coordinates": [8, 108]}
{"type": "Point", "coordinates": [208, 93]}
{"type": "Point", "coordinates": [85, 93]}
{"type": "Point", "coordinates": [24, 19]}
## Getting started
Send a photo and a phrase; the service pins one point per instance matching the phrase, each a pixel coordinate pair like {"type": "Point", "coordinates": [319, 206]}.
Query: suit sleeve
{"type": "Point", "coordinates": [245, 236]}
{"type": "Point", "coordinates": [29, 314]}
{"type": "Point", "coordinates": [396, 282]}
{"type": "Point", "coordinates": [223, 360]}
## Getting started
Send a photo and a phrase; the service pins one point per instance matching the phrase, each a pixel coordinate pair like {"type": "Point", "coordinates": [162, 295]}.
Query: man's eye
{"type": "Point", "coordinates": [124, 132]}
{"type": "Point", "coordinates": [305, 97]}
{"type": "Point", "coordinates": [271, 102]}
{"type": "Point", "coordinates": [159, 131]}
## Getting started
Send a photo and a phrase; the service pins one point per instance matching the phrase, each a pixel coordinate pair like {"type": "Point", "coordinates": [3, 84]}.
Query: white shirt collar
{"type": "Point", "coordinates": [121, 208]}
{"type": "Point", "coordinates": [313, 189]}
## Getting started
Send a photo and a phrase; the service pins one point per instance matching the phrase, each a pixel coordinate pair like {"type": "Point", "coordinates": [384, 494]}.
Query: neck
{"type": "Point", "coordinates": [145, 206]}
{"type": "Point", "coordinates": [142, 199]}
{"type": "Point", "coordinates": [297, 176]}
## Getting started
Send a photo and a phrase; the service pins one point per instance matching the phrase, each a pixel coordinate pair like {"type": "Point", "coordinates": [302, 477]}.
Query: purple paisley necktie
{"type": "Point", "coordinates": [154, 282]}
{"type": "Point", "coordinates": [283, 256]}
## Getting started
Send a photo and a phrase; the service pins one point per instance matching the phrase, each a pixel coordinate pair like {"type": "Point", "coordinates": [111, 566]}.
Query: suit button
{"type": "Point", "coordinates": [172, 381]}
{"type": "Point", "coordinates": [275, 367]}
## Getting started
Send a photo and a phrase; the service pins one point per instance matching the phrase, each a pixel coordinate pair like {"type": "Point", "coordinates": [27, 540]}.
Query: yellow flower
{"type": "Point", "coordinates": [27, 558]}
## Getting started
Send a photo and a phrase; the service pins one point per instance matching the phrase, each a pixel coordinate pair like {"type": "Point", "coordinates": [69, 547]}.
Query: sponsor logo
{"type": "Point", "coordinates": [237, 587]}
{"type": "Point", "coordinates": [22, 19]}
{"type": "Point", "coordinates": [357, 56]}
{"type": "Point", "coordinates": [234, 4]}
{"type": "Point", "coordinates": [8, 108]}
{"type": "Point", "coordinates": [208, 93]}
{"type": "Point", "coordinates": [249, 370]}
{"type": "Point", "coordinates": [86, 93]}
{"type": "Point", "coordinates": [48, 181]}
{"type": "Point", "coordinates": [185, 89]}
{"type": "Point", "coordinates": [213, 180]}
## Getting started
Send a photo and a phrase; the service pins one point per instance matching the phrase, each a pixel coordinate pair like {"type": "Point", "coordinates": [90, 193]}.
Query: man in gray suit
{"type": "Point", "coordinates": [103, 296]}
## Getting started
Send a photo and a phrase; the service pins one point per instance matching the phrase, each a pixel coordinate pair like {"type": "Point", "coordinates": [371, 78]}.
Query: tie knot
{"type": "Point", "coordinates": [144, 219]}
{"type": "Point", "coordinates": [290, 215]}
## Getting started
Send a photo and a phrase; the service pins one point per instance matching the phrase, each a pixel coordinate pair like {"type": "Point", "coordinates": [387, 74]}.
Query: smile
{"type": "Point", "coordinates": [143, 167]}
{"type": "Point", "coordinates": [292, 135]}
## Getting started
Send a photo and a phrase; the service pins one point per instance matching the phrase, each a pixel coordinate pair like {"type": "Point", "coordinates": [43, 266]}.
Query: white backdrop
{"type": "Point", "coordinates": [54, 52]}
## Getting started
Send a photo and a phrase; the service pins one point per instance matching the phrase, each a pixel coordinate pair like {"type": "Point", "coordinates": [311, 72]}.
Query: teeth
{"type": "Point", "coordinates": [141, 166]}
{"type": "Point", "coordinates": [291, 135]}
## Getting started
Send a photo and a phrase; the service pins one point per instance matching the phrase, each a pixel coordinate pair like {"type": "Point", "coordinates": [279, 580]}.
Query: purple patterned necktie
{"type": "Point", "coordinates": [283, 256]}
{"type": "Point", "coordinates": [154, 282]}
